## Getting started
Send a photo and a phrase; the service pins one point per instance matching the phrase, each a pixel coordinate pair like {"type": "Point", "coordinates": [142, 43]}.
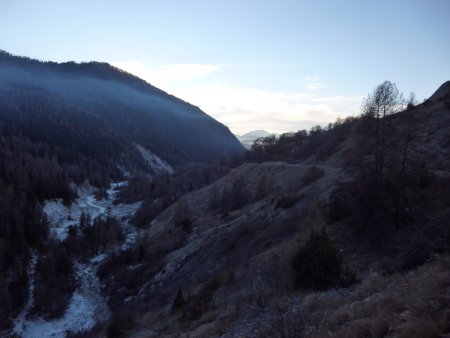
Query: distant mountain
{"type": "Point", "coordinates": [254, 134]}
{"type": "Point", "coordinates": [99, 111]}
{"type": "Point", "coordinates": [248, 138]}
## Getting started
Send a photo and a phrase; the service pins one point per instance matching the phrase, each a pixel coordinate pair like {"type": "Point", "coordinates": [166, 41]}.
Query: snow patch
{"type": "Point", "coordinates": [157, 164]}
{"type": "Point", "coordinates": [61, 217]}
{"type": "Point", "coordinates": [86, 308]}
{"type": "Point", "coordinates": [99, 258]}
{"type": "Point", "coordinates": [77, 318]}
{"type": "Point", "coordinates": [87, 305]}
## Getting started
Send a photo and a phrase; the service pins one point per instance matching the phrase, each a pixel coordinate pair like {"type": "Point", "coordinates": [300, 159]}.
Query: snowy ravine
{"type": "Point", "coordinates": [62, 217]}
{"type": "Point", "coordinates": [87, 306]}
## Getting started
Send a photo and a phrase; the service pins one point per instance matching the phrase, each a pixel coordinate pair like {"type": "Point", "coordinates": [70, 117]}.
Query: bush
{"type": "Point", "coordinates": [415, 254]}
{"type": "Point", "coordinates": [312, 175]}
{"type": "Point", "coordinates": [338, 210]}
{"type": "Point", "coordinates": [285, 202]}
{"type": "Point", "coordinates": [319, 265]}
{"type": "Point", "coordinates": [186, 224]}
{"type": "Point", "coordinates": [179, 301]}
{"type": "Point", "coordinates": [148, 210]}
{"type": "Point", "coordinates": [118, 327]}
{"type": "Point", "coordinates": [54, 282]}
{"type": "Point", "coordinates": [196, 305]}
{"type": "Point", "coordinates": [102, 232]}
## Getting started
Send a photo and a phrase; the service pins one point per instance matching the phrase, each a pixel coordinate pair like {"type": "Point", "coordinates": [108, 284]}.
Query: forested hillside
{"type": "Point", "coordinates": [64, 125]}
{"type": "Point", "coordinates": [93, 109]}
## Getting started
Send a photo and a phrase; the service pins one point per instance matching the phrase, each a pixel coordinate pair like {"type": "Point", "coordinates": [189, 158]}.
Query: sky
{"type": "Point", "coordinates": [277, 65]}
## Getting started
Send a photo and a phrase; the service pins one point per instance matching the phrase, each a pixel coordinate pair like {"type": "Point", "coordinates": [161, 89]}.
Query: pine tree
{"type": "Point", "coordinates": [179, 301]}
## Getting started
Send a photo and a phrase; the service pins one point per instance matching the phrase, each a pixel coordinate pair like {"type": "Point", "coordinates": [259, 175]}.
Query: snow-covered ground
{"type": "Point", "coordinates": [87, 305]}
{"type": "Point", "coordinates": [86, 308]}
{"type": "Point", "coordinates": [157, 164]}
{"type": "Point", "coordinates": [62, 217]}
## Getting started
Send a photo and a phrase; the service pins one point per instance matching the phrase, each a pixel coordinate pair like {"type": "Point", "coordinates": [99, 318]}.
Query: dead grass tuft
{"type": "Point", "coordinates": [416, 304]}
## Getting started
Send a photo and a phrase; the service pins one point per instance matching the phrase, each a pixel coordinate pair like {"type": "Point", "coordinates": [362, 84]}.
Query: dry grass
{"type": "Point", "coordinates": [274, 264]}
{"type": "Point", "coordinates": [416, 304]}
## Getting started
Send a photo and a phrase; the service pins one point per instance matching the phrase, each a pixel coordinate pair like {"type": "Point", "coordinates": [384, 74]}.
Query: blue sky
{"type": "Point", "coordinates": [274, 65]}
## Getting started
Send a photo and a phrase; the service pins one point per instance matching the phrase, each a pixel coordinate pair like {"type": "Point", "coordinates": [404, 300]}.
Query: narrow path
{"type": "Point", "coordinates": [90, 202]}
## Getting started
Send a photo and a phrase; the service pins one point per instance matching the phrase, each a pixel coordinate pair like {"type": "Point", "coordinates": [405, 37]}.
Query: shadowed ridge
{"type": "Point", "coordinates": [442, 93]}
{"type": "Point", "coordinates": [100, 70]}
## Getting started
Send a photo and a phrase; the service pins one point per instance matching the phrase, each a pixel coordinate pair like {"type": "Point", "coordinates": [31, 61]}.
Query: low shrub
{"type": "Point", "coordinates": [178, 302]}
{"type": "Point", "coordinates": [319, 265]}
{"type": "Point", "coordinates": [196, 305]}
{"type": "Point", "coordinates": [285, 202]}
{"type": "Point", "coordinates": [118, 327]}
{"type": "Point", "coordinates": [338, 210]}
{"type": "Point", "coordinates": [312, 175]}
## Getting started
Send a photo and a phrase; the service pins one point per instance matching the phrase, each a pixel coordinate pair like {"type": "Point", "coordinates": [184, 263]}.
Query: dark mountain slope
{"type": "Point", "coordinates": [442, 93]}
{"type": "Point", "coordinates": [118, 105]}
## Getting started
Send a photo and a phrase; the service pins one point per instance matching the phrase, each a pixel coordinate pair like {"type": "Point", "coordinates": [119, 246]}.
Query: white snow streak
{"type": "Point", "coordinates": [85, 309]}
{"type": "Point", "coordinates": [157, 164]}
{"type": "Point", "coordinates": [61, 217]}
{"type": "Point", "coordinates": [87, 305]}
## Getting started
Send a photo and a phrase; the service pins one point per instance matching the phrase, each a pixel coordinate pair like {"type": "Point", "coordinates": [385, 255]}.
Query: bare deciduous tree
{"type": "Point", "coordinates": [385, 100]}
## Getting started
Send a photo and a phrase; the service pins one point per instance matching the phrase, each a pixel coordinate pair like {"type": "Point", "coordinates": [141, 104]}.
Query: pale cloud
{"type": "Point", "coordinates": [315, 86]}
{"type": "Point", "coordinates": [167, 73]}
{"type": "Point", "coordinates": [171, 73]}
{"type": "Point", "coordinates": [313, 83]}
{"type": "Point", "coordinates": [244, 109]}
{"type": "Point", "coordinates": [267, 66]}
{"type": "Point", "coordinates": [312, 78]}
